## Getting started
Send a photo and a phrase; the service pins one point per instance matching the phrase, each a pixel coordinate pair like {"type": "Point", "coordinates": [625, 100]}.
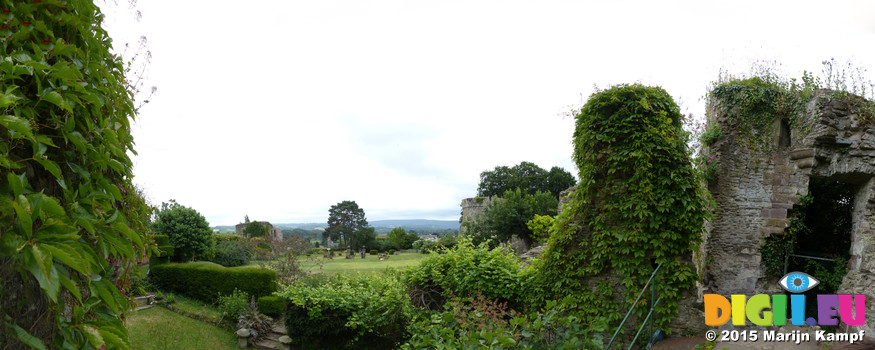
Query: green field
{"type": "Point", "coordinates": [369, 265]}
{"type": "Point", "coordinates": [159, 328]}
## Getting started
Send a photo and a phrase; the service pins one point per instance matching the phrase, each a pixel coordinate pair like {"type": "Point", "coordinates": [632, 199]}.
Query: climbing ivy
{"type": "Point", "coordinates": [639, 203]}
{"type": "Point", "coordinates": [71, 222]}
{"type": "Point", "coordinates": [749, 107]}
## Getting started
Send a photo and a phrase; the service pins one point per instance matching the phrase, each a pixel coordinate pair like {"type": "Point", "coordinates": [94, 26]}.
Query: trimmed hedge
{"type": "Point", "coordinates": [271, 305]}
{"type": "Point", "coordinates": [206, 282]}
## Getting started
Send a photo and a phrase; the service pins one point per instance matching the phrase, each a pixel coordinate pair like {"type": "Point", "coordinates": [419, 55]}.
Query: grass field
{"type": "Point", "coordinates": [159, 328]}
{"type": "Point", "coordinates": [369, 265]}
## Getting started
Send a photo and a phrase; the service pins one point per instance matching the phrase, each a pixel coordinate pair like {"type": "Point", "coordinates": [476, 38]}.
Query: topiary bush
{"type": "Point", "coordinates": [374, 252]}
{"type": "Point", "coordinates": [205, 282]}
{"type": "Point", "coordinates": [165, 250]}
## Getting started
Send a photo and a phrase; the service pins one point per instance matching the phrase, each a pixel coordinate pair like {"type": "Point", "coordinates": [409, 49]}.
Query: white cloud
{"type": "Point", "coordinates": [280, 109]}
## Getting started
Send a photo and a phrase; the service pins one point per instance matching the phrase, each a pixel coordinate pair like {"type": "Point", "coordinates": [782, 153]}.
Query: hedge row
{"type": "Point", "coordinates": [207, 282]}
{"type": "Point", "coordinates": [272, 305]}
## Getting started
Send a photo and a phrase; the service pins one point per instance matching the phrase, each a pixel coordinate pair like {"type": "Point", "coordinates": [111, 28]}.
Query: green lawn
{"type": "Point", "coordinates": [159, 328]}
{"type": "Point", "coordinates": [194, 308]}
{"type": "Point", "coordinates": [369, 265]}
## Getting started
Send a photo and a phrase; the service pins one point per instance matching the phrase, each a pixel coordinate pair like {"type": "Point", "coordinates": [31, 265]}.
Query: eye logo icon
{"type": "Point", "coordinates": [798, 282]}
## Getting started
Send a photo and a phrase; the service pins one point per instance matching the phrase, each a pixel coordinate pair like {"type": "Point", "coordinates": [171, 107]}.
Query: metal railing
{"type": "Point", "coordinates": [647, 320]}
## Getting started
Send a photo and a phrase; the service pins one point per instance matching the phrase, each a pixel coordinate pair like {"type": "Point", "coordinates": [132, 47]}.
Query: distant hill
{"type": "Point", "coordinates": [416, 225]}
{"type": "Point", "coordinates": [381, 226]}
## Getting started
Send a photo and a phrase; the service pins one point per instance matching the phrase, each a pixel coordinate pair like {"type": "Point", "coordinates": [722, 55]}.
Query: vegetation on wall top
{"type": "Point", "coordinates": [750, 104]}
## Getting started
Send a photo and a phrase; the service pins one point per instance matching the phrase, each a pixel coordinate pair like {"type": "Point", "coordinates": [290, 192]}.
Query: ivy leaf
{"type": "Point", "coordinates": [16, 182]}
{"type": "Point", "coordinates": [7, 98]}
{"type": "Point", "coordinates": [71, 286]}
{"type": "Point", "coordinates": [68, 256]}
{"type": "Point", "coordinates": [24, 218]}
{"type": "Point", "coordinates": [93, 336]}
{"type": "Point", "coordinates": [55, 98]}
{"type": "Point", "coordinates": [49, 204]}
{"type": "Point", "coordinates": [21, 57]}
{"type": "Point", "coordinates": [53, 168]}
{"type": "Point", "coordinates": [27, 339]}
{"type": "Point", "coordinates": [16, 124]}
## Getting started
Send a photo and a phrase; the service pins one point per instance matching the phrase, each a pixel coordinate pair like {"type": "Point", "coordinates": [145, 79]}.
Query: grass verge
{"type": "Point", "coordinates": [159, 328]}
{"type": "Point", "coordinates": [369, 265]}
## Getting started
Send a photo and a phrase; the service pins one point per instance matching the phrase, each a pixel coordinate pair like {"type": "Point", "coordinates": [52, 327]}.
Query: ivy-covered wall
{"type": "Point", "coordinates": [756, 183]}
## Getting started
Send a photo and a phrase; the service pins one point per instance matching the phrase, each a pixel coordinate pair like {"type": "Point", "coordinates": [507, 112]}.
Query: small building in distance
{"type": "Point", "coordinates": [274, 232]}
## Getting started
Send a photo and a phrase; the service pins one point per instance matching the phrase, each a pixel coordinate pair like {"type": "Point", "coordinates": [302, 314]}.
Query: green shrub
{"type": "Point", "coordinates": [233, 304]}
{"type": "Point", "coordinates": [469, 323]}
{"type": "Point", "coordinates": [271, 305]}
{"type": "Point", "coordinates": [223, 238]}
{"type": "Point", "coordinates": [374, 252]}
{"type": "Point", "coordinates": [231, 253]}
{"type": "Point", "coordinates": [206, 281]}
{"type": "Point", "coordinates": [366, 310]}
{"type": "Point", "coordinates": [466, 269]}
{"type": "Point", "coordinates": [391, 252]}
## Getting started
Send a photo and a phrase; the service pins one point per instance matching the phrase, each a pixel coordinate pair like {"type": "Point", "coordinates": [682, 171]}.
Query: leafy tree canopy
{"type": "Point", "coordinates": [344, 220]}
{"type": "Point", "coordinates": [188, 230]}
{"type": "Point", "coordinates": [527, 176]}
{"type": "Point", "coordinates": [507, 217]}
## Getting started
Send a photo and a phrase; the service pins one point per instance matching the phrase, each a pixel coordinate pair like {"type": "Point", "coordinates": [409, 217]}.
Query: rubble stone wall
{"type": "Point", "coordinates": [753, 192]}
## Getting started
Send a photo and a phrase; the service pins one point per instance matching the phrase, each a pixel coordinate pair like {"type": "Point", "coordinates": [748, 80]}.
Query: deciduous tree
{"type": "Point", "coordinates": [344, 220]}
{"type": "Point", "coordinates": [398, 236]}
{"type": "Point", "coordinates": [527, 176]}
{"type": "Point", "coordinates": [507, 217]}
{"type": "Point", "coordinates": [188, 230]}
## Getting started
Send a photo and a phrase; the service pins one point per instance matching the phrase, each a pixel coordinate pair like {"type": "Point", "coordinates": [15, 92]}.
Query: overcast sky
{"type": "Point", "coordinates": [280, 109]}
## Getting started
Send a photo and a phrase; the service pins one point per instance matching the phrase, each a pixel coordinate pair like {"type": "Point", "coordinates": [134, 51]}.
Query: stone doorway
{"type": "Point", "coordinates": [822, 226]}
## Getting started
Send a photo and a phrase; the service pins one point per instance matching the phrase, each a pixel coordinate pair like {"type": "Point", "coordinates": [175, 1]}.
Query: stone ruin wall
{"type": "Point", "coordinates": [472, 208]}
{"type": "Point", "coordinates": [275, 232]}
{"type": "Point", "coordinates": [754, 191]}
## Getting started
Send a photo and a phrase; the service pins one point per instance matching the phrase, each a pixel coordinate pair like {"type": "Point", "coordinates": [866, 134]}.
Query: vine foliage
{"type": "Point", "coordinates": [639, 203]}
{"type": "Point", "coordinates": [72, 224]}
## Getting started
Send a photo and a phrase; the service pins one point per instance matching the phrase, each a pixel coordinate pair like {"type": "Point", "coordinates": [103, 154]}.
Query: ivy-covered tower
{"type": "Point", "coordinates": [639, 204]}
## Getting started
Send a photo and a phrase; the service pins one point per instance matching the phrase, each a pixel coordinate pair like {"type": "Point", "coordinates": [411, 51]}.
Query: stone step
{"type": "Point", "coordinates": [144, 307]}
{"type": "Point", "coordinates": [279, 329]}
{"type": "Point", "coordinates": [268, 344]}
